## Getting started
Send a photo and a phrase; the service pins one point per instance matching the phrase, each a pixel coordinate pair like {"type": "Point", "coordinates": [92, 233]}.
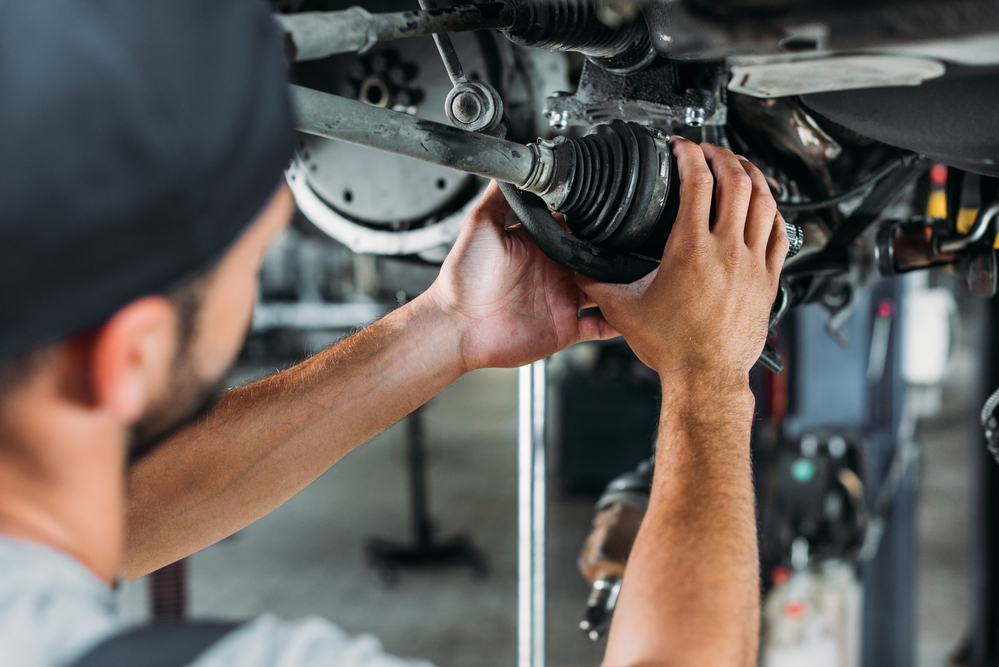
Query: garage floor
{"type": "Point", "coordinates": [946, 480]}
{"type": "Point", "coordinates": [307, 557]}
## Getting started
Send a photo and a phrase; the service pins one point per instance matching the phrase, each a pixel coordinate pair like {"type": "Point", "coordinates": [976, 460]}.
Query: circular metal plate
{"type": "Point", "coordinates": [378, 188]}
{"type": "Point", "coordinates": [381, 189]}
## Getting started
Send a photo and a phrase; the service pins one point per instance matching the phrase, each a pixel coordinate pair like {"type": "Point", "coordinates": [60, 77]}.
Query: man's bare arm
{"type": "Point", "coordinates": [498, 302]}
{"type": "Point", "coordinates": [690, 595]}
{"type": "Point", "coordinates": [265, 442]}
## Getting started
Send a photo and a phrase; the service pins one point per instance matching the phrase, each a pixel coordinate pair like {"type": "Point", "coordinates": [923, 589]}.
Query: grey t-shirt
{"type": "Point", "coordinates": [53, 610]}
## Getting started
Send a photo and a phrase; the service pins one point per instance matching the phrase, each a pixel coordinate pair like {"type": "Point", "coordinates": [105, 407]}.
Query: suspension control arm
{"type": "Point", "coordinates": [334, 117]}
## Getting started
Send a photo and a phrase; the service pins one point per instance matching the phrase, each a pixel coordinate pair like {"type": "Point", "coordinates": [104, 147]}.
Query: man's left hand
{"type": "Point", "coordinates": [510, 303]}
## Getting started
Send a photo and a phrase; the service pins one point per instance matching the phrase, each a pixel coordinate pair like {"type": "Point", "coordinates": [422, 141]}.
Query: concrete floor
{"type": "Point", "coordinates": [944, 525]}
{"type": "Point", "coordinates": [944, 522]}
{"type": "Point", "coordinates": [307, 556]}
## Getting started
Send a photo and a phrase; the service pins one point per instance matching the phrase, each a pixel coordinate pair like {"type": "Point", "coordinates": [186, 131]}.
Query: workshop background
{"type": "Point", "coordinates": [866, 450]}
{"type": "Point", "coordinates": [312, 556]}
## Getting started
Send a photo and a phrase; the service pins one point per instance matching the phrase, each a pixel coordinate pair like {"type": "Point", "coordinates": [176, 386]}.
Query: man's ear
{"type": "Point", "coordinates": [130, 356]}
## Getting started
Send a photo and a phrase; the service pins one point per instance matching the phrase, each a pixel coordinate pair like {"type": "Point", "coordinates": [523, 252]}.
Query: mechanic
{"type": "Point", "coordinates": [142, 161]}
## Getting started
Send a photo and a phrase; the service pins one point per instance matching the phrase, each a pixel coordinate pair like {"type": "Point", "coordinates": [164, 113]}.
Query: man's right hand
{"type": "Point", "coordinates": [690, 594]}
{"type": "Point", "coordinates": [704, 312]}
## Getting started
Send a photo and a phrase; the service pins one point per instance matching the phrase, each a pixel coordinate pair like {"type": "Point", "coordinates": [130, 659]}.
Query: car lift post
{"type": "Point", "coordinates": [531, 516]}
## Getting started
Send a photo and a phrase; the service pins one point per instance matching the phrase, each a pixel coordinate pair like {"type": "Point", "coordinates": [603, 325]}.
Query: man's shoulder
{"type": "Point", "coordinates": [51, 608]}
{"type": "Point", "coordinates": [309, 642]}
{"type": "Point", "coordinates": [52, 611]}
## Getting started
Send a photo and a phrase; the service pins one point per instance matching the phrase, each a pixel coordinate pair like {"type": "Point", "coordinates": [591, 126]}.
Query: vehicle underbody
{"type": "Point", "coordinates": [874, 123]}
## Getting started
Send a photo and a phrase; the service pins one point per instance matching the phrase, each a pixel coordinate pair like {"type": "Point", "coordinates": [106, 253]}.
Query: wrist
{"type": "Point", "coordinates": [452, 326]}
{"type": "Point", "coordinates": [707, 395]}
{"type": "Point", "coordinates": [705, 429]}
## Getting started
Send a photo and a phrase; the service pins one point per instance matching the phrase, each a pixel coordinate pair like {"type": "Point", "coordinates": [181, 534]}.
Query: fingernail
{"type": "Point", "coordinates": [742, 158]}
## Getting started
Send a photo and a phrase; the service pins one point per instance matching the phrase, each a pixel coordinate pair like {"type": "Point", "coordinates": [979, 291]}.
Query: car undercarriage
{"type": "Point", "coordinates": [873, 122]}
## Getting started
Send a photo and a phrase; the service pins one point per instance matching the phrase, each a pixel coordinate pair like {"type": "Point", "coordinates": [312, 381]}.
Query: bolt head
{"type": "Point", "coordinates": [466, 107]}
{"type": "Point", "coordinates": [695, 117]}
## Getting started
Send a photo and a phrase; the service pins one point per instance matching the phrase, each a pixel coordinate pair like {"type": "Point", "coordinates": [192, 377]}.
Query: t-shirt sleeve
{"type": "Point", "coordinates": [309, 642]}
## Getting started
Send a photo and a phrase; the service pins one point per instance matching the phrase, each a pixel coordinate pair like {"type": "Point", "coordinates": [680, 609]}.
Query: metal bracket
{"type": "Point", "coordinates": [648, 95]}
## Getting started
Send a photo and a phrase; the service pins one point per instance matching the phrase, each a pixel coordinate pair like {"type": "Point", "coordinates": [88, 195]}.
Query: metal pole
{"type": "Point", "coordinates": [355, 122]}
{"type": "Point", "coordinates": [444, 46]}
{"type": "Point", "coordinates": [538, 502]}
{"type": "Point", "coordinates": [531, 516]}
{"type": "Point", "coordinates": [314, 35]}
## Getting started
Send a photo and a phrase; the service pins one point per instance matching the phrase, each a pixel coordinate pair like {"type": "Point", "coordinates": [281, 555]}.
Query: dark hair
{"type": "Point", "coordinates": [186, 300]}
{"type": "Point", "coordinates": [168, 90]}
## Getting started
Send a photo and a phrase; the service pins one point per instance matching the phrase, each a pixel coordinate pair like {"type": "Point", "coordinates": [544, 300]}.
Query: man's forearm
{"type": "Point", "coordinates": [265, 442]}
{"type": "Point", "coordinates": [691, 589]}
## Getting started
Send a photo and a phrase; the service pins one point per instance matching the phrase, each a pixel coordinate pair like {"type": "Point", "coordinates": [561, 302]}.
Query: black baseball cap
{"type": "Point", "coordinates": [137, 141]}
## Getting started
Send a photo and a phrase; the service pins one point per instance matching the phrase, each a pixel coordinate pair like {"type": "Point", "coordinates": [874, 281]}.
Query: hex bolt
{"type": "Point", "coordinates": [466, 107]}
{"type": "Point", "coordinates": [695, 117]}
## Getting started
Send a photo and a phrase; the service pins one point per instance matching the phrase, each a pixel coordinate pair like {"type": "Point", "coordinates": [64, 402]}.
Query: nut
{"type": "Point", "coordinates": [466, 107]}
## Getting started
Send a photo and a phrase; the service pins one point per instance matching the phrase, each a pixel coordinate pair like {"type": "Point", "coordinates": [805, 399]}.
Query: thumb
{"type": "Point", "coordinates": [599, 291]}
{"type": "Point", "coordinates": [492, 207]}
{"type": "Point", "coordinates": [596, 291]}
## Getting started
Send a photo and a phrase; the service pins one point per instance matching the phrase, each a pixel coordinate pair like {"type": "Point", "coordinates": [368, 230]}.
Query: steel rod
{"type": "Point", "coordinates": [538, 505]}
{"type": "Point", "coordinates": [450, 59]}
{"type": "Point", "coordinates": [314, 35]}
{"type": "Point", "coordinates": [446, 48]}
{"type": "Point", "coordinates": [977, 232]}
{"type": "Point", "coordinates": [531, 492]}
{"type": "Point", "coordinates": [348, 120]}
{"type": "Point", "coordinates": [525, 533]}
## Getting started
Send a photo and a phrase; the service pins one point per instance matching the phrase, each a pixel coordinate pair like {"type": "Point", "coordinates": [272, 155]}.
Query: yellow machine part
{"type": "Point", "coordinates": [937, 206]}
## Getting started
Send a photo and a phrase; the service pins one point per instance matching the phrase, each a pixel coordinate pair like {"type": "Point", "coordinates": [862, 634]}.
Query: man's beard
{"type": "Point", "coordinates": [188, 399]}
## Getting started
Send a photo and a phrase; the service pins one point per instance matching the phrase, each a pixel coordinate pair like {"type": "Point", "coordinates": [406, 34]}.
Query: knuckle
{"type": "Point", "coordinates": [766, 209]}
{"type": "Point", "coordinates": [782, 231]}
{"type": "Point", "coordinates": [779, 252]}
{"type": "Point", "coordinates": [701, 180]}
{"type": "Point", "coordinates": [691, 252]}
{"type": "Point", "coordinates": [733, 257]}
{"type": "Point", "coordinates": [740, 184]}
